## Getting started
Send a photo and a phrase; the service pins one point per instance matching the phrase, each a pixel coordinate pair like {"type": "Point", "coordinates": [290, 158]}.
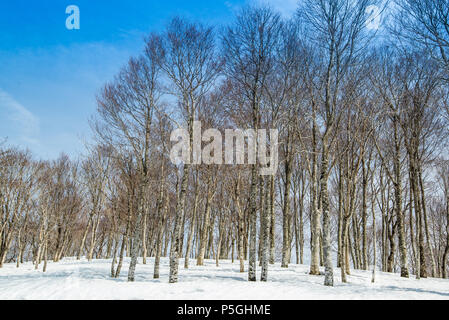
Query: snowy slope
{"type": "Point", "coordinates": [71, 279]}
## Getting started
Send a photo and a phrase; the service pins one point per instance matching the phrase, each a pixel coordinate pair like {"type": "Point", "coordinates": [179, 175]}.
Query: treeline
{"type": "Point", "coordinates": [363, 174]}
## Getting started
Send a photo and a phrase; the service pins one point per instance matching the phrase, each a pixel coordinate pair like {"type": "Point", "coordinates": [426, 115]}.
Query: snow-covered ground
{"type": "Point", "coordinates": [71, 279]}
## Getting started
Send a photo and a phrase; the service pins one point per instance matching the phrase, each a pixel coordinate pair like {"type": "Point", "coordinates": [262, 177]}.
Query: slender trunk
{"type": "Point", "coordinates": [364, 216]}
{"type": "Point", "coordinates": [39, 249]}
{"type": "Point", "coordinates": [206, 224]}
{"type": "Point", "coordinates": [261, 216]}
{"type": "Point", "coordinates": [390, 259]}
{"type": "Point", "coordinates": [418, 215]}
{"type": "Point", "coordinates": [93, 237]}
{"type": "Point", "coordinates": [340, 253]}
{"type": "Point", "coordinates": [19, 246]}
{"type": "Point", "coordinates": [373, 279]}
{"type": "Point", "coordinates": [286, 210]}
{"type": "Point", "coordinates": [327, 245]}
{"type": "Point", "coordinates": [45, 255]}
{"type": "Point", "coordinates": [137, 232]}
{"type": "Point", "coordinates": [144, 237]}
{"type": "Point", "coordinates": [315, 225]}
{"type": "Point", "coordinates": [272, 219]}
{"type": "Point", "coordinates": [210, 253]}
{"type": "Point", "coordinates": [220, 239]}
{"type": "Point", "coordinates": [83, 239]}
{"type": "Point", "coordinates": [411, 224]}
{"type": "Point", "coordinates": [266, 232]}
{"type": "Point", "coordinates": [398, 203]}
{"type": "Point", "coordinates": [241, 227]}
{"type": "Point", "coordinates": [114, 258]}
{"type": "Point", "coordinates": [191, 229]}
{"type": "Point", "coordinates": [426, 226]}
{"type": "Point", "coordinates": [446, 250]}
{"type": "Point", "coordinates": [124, 242]}
{"type": "Point", "coordinates": [174, 254]}
{"type": "Point", "coordinates": [296, 228]}
{"type": "Point", "coordinates": [355, 231]}
{"type": "Point", "coordinates": [163, 217]}
{"type": "Point", "coordinates": [253, 225]}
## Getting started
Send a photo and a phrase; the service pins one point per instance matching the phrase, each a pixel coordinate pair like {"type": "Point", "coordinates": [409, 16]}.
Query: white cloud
{"type": "Point", "coordinates": [24, 122]}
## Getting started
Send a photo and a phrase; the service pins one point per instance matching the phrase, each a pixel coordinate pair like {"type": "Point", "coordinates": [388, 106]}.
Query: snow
{"type": "Point", "coordinates": [72, 279]}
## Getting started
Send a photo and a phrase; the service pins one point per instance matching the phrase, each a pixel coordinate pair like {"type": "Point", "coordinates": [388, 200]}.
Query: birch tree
{"type": "Point", "coordinates": [249, 58]}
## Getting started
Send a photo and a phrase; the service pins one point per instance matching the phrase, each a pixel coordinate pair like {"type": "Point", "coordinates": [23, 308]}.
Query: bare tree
{"type": "Point", "coordinates": [126, 109]}
{"type": "Point", "coordinates": [425, 23]}
{"type": "Point", "coordinates": [191, 65]}
{"type": "Point", "coordinates": [338, 29]}
{"type": "Point", "coordinates": [248, 51]}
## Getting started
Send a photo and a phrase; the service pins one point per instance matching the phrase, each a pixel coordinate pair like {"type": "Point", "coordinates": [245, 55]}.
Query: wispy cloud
{"type": "Point", "coordinates": [25, 123]}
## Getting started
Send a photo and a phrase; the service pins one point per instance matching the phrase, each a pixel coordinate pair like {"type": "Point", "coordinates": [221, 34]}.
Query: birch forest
{"type": "Point", "coordinates": [363, 177]}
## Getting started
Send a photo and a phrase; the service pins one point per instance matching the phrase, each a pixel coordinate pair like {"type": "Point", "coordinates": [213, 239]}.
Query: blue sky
{"type": "Point", "coordinates": [49, 75]}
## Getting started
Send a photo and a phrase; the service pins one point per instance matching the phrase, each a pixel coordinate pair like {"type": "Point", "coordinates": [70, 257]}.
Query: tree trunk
{"type": "Point", "coordinates": [315, 225]}
{"type": "Point", "coordinates": [266, 231]}
{"type": "Point", "coordinates": [191, 229]}
{"type": "Point", "coordinates": [426, 227]}
{"type": "Point", "coordinates": [137, 232]}
{"type": "Point", "coordinates": [364, 216]}
{"type": "Point", "coordinates": [206, 224]}
{"type": "Point", "coordinates": [272, 220]}
{"type": "Point", "coordinates": [253, 225]}
{"type": "Point", "coordinates": [83, 239]}
{"type": "Point", "coordinates": [162, 228]}
{"type": "Point", "coordinates": [286, 211]}
{"type": "Point", "coordinates": [174, 254]}
{"type": "Point", "coordinates": [398, 202]}
{"type": "Point", "coordinates": [327, 245]}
